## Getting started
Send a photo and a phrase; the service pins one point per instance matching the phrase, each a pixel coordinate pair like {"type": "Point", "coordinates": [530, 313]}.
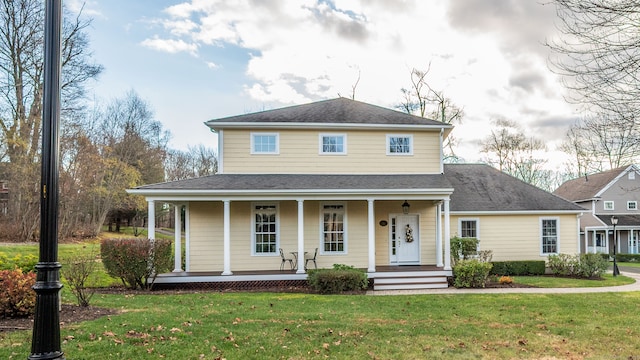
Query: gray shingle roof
{"type": "Point", "coordinates": [585, 188]}
{"type": "Point", "coordinates": [334, 111]}
{"type": "Point", "coordinates": [479, 187]}
{"type": "Point", "coordinates": [273, 182]}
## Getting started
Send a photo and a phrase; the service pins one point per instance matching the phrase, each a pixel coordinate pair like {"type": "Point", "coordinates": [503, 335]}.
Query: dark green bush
{"type": "Point", "coordinates": [18, 298]}
{"type": "Point", "coordinates": [518, 268]}
{"type": "Point", "coordinates": [627, 257]}
{"type": "Point", "coordinates": [339, 279]}
{"type": "Point", "coordinates": [136, 261]}
{"type": "Point", "coordinates": [471, 273]}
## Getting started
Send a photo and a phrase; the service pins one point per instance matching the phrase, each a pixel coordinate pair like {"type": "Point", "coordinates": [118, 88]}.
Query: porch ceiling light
{"type": "Point", "coordinates": [405, 207]}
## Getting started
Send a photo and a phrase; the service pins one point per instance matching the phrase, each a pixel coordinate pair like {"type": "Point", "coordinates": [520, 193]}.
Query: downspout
{"type": "Point", "coordinates": [441, 151]}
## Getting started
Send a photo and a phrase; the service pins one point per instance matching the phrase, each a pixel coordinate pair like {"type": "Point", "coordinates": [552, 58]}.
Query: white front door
{"type": "Point", "coordinates": [405, 240]}
{"type": "Point", "coordinates": [633, 242]}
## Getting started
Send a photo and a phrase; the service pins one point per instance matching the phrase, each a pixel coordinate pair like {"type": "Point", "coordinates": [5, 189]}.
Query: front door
{"type": "Point", "coordinates": [405, 240]}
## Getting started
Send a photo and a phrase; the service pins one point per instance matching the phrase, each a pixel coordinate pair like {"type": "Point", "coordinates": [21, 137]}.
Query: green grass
{"type": "Point", "coordinates": [559, 282]}
{"type": "Point", "coordinates": [300, 326]}
{"type": "Point", "coordinates": [629, 264]}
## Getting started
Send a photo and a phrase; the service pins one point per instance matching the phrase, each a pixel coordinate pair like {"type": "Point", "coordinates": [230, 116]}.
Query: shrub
{"type": "Point", "coordinates": [462, 248]}
{"type": "Point", "coordinates": [592, 266]}
{"type": "Point", "coordinates": [505, 280]}
{"type": "Point", "coordinates": [471, 273]}
{"type": "Point", "coordinates": [136, 262]}
{"type": "Point", "coordinates": [26, 263]}
{"type": "Point", "coordinates": [627, 257]}
{"type": "Point", "coordinates": [563, 264]}
{"type": "Point", "coordinates": [339, 279]}
{"type": "Point", "coordinates": [18, 297]}
{"type": "Point", "coordinates": [519, 268]}
{"type": "Point", "coordinates": [76, 272]}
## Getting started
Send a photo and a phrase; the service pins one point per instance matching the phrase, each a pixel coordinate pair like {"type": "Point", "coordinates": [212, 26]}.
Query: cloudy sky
{"type": "Point", "coordinates": [203, 59]}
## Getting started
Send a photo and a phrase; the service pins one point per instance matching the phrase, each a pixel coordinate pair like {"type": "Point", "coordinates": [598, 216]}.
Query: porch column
{"type": "Point", "coordinates": [151, 221]}
{"type": "Point", "coordinates": [439, 262]}
{"type": "Point", "coordinates": [447, 237]}
{"type": "Point", "coordinates": [586, 241]}
{"type": "Point", "coordinates": [371, 228]}
{"type": "Point", "coordinates": [593, 241]}
{"type": "Point", "coordinates": [227, 239]}
{"type": "Point", "coordinates": [301, 261]}
{"type": "Point", "coordinates": [187, 243]}
{"type": "Point", "coordinates": [177, 264]}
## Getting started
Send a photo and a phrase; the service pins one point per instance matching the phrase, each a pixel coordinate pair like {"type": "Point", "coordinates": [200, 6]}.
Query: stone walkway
{"type": "Point", "coordinates": [451, 290]}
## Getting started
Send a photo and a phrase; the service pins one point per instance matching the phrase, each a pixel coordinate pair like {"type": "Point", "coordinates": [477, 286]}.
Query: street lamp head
{"type": "Point", "coordinates": [614, 220]}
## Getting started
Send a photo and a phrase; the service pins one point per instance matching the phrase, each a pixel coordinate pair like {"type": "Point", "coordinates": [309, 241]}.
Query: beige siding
{"type": "Point", "coordinates": [517, 237]}
{"type": "Point", "coordinates": [205, 236]}
{"type": "Point", "coordinates": [299, 153]}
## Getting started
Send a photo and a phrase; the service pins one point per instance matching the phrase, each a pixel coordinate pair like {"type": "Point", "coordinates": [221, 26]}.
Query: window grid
{"type": "Point", "coordinates": [399, 145]}
{"type": "Point", "coordinates": [549, 236]}
{"type": "Point", "coordinates": [266, 233]}
{"type": "Point", "coordinates": [632, 205]}
{"type": "Point", "coordinates": [265, 143]}
{"type": "Point", "coordinates": [333, 228]}
{"type": "Point", "coordinates": [333, 144]}
{"type": "Point", "coordinates": [468, 229]}
{"type": "Point", "coordinates": [608, 205]}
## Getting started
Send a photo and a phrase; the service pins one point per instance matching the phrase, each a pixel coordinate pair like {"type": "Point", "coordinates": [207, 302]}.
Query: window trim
{"type": "Point", "coordinates": [635, 205]}
{"type": "Point", "coordinates": [477, 221]}
{"type": "Point", "coordinates": [388, 144]}
{"type": "Point", "coordinates": [608, 202]}
{"type": "Point", "coordinates": [277, 140]}
{"type": "Point", "coordinates": [321, 137]}
{"type": "Point", "coordinates": [253, 228]}
{"type": "Point", "coordinates": [344, 228]}
{"type": "Point", "coordinates": [557, 235]}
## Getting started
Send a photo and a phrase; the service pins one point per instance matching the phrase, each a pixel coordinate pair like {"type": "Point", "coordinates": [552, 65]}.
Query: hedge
{"type": "Point", "coordinates": [518, 268]}
{"type": "Point", "coordinates": [628, 257]}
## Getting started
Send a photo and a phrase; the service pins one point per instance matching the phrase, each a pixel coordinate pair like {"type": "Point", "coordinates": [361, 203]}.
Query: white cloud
{"type": "Point", "coordinates": [170, 45]}
{"type": "Point", "coordinates": [212, 65]}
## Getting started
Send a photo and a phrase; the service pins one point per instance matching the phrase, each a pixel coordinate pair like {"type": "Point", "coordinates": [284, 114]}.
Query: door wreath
{"type": "Point", "coordinates": [408, 232]}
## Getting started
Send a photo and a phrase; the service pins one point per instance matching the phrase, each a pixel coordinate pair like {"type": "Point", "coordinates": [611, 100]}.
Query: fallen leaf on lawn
{"type": "Point", "coordinates": [175, 330]}
{"type": "Point", "coordinates": [108, 333]}
{"type": "Point", "coordinates": [325, 346]}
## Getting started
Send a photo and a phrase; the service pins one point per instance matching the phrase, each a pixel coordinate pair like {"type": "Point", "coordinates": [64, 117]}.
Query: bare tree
{"type": "Point", "coordinates": [21, 87]}
{"type": "Point", "coordinates": [599, 54]}
{"type": "Point", "coordinates": [511, 151]}
{"type": "Point", "coordinates": [424, 101]}
{"type": "Point", "coordinates": [195, 162]}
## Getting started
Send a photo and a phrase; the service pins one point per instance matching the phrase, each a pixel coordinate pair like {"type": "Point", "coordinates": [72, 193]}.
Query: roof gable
{"type": "Point", "coordinates": [480, 187]}
{"type": "Point", "coordinates": [340, 111]}
{"type": "Point", "coordinates": [591, 186]}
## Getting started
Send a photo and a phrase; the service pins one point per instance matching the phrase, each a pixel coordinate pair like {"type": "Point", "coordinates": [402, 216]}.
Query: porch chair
{"type": "Point", "coordinates": [306, 261]}
{"type": "Point", "coordinates": [284, 260]}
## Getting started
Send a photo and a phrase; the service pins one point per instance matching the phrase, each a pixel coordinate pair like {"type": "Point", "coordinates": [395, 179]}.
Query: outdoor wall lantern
{"type": "Point", "coordinates": [614, 222]}
{"type": "Point", "coordinates": [405, 207]}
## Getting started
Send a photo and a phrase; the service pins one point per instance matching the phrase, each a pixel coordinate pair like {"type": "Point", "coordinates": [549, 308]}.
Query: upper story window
{"type": "Point", "coordinates": [632, 175]}
{"type": "Point", "coordinates": [265, 143]}
{"type": "Point", "coordinates": [632, 205]}
{"type": "Point", "coordinates": [608, 205]}
{"type": "Point", "coordinates": [399, 144]}
{"type": "Point", "coordinates": [549, 236]}
{"type": "Point", "coordinates": [333, 144]}
{"type": "Point", "coordinates": [265, 229]}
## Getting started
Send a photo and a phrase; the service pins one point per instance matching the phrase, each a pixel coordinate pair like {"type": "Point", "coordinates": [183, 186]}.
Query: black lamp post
{"type": "Point", "coordinates": [46, 326]}
{"type": "Point", "coordinates": [614, 222]}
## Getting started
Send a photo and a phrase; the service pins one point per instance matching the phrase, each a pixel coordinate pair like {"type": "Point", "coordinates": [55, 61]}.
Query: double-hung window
{"type": "Point", "coordinates": [265, 229]}
{"type": "Point", "coordinates": [468, 228]}
{"type": "Point", "coordinates": [333, 228]}
{"type": "Point", "coordinates": [549, 236]}
{"type": "Point", "coordinates": [632, 205]}
{"type": "Point", "coordinates": [608, 205]}
{"type": "Point", "coordinates": [399, 145]}
{"type": "Point", "coordinates": [265, 143]}
{"type": "Point", "coordinates": [333, 144]}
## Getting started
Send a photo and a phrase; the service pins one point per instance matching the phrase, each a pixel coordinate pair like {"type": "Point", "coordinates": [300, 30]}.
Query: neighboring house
{"type": "Point", "coordinates": [365, 185]}
{"type": "Point", "coordinates": [611, 193]}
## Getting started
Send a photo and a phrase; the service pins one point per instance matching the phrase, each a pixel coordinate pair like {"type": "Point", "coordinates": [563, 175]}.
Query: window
{"type": "Point", "coordinates": [549, 236]}
{"type": "Point", "coordinates": [632, 175]}
{"type": "Point", "coordinates": [632, 205]}
{"type": "Point", "coordinates": [265, 229]}
{"type": "Point", "coordinates": [333, 228]}
{"type": "Point", "coordinates": [333, 144]}
{"type": "Point", "coordinates": [399, 144]}
{"type": "Point", "coordinates": [469, 228]}
{"type": "Point", "coordinates": [608, 205]}
{"type": "Point", "coordinates": [263, 143]}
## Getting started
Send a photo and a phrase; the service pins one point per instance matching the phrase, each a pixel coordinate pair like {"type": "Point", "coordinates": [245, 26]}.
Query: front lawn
{"type": "Point", "coordinates": [565, 282]}
{"type": "Point", "coordinates": [213, 325]}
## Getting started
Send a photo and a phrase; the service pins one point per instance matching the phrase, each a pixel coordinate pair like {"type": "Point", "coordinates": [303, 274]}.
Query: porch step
{"type": "Point", "coordinates": [409, 281]}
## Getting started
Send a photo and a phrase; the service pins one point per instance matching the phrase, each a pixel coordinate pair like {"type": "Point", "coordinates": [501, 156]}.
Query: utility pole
{"type": "Point", "coordinates": [45, 342]}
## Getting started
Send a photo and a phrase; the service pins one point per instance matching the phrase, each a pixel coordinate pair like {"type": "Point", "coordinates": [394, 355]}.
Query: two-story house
{"type": "Point", "coordinates": [350, 183]}
{"type": "Point", "coordinates": [606, 195]}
